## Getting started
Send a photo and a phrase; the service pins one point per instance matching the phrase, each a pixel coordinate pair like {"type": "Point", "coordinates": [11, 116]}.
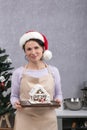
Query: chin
{"type": "Point", "coordinates": [35, 60]}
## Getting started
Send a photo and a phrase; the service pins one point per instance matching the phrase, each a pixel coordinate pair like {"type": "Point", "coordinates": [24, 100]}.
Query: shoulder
{"type": "Point", "coordinates": [54, 69]}
{"type": "Point", "coordinates": [55, 72]}
{"type": "Point", "coordinates": [18, 71]}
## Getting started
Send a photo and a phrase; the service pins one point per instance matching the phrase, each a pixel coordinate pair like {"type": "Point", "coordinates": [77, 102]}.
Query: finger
{"type": "Point", "coordinates": [17, 105]}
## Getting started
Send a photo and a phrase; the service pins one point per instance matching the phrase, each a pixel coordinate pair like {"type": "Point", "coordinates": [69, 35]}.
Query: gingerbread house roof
{"type": "Point", "coordinates": [36, 88]}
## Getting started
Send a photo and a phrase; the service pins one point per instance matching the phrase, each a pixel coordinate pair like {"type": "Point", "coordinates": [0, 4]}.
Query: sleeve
{"type": "Point", "coordinates": [15, 85]}
{"type": "Point", "coordinates": [57, 79]}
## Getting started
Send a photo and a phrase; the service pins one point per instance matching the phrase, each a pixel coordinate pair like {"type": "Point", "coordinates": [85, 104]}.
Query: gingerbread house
{"type": "Point", "coordinates": [39, 95]}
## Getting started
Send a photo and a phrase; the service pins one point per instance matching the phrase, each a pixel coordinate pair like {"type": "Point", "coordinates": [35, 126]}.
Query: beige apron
{"type": "Point", "coordinates": [36, 118]}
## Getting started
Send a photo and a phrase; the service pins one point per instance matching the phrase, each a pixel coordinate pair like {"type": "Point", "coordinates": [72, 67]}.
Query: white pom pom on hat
{"type": "Point", "coordinates": [47, 55]}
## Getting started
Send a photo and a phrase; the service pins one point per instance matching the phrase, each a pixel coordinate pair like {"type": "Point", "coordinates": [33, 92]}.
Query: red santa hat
{"type": "Point", "coordinates": [47, 55]}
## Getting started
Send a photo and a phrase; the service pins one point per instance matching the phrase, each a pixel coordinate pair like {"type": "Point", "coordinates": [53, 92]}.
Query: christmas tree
{"type": "Point", "coordinates": [5, 83]}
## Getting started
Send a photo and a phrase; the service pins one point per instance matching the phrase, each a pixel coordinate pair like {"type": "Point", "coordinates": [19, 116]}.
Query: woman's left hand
{"type": "Point", "coordinates": [58, 101]}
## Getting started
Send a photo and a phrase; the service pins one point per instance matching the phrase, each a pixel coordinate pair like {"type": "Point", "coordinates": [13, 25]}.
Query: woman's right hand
{"type": "Point", "coordinates": [17, 105]}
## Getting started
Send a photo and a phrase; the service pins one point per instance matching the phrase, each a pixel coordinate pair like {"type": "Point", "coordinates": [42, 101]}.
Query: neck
{"type": "Point", "coordinates": [36, 66]}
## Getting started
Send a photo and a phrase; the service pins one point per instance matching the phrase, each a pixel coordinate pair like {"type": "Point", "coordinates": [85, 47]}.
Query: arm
{"type": "Point", "coordinates": [15, 88]}
{"type": "Point", "coordinates": [57, 79]}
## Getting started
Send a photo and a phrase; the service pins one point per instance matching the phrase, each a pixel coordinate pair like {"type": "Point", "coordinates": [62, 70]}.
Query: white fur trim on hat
{"type": "Point", "coordinates": [47, 55]}
{"type": "Point", "coordinates": [30, 35]}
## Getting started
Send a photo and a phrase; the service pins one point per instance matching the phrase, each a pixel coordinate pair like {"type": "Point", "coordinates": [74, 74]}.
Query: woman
{"type": "Point", "coordinates": [36, 71]}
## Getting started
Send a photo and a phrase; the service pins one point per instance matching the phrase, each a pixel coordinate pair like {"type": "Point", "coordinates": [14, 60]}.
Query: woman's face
{"type": "Point", "coordinates": [33, 51]}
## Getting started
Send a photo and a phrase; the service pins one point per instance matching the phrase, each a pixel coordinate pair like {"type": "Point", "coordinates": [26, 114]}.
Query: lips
{"type": "Point", "coordinates": [34, 56]}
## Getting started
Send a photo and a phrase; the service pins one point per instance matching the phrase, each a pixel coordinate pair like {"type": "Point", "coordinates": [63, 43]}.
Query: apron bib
{"type": "Point", "coordinates": [36, 118]}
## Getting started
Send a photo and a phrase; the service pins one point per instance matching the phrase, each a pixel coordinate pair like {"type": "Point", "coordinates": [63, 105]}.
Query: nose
{"type": "Point", "coordinates": [33, 51]}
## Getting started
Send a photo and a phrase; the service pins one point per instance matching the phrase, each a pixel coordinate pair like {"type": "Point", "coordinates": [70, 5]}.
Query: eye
{"type": "Point", "coordinates": [36, 47]}
{"type": "Point", "coordinates": [28, 49]}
